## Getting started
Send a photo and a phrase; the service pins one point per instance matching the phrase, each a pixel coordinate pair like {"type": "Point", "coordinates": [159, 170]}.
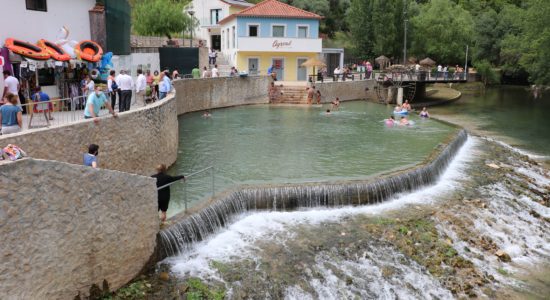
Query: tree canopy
{"type": "Point", "coordinates": [160, 17]}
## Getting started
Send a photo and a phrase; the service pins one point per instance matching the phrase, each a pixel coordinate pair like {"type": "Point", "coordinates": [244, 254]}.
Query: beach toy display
{"type": "Point", "coordinates": [89, 51]}
{"type": "Point", "coordinates": [55, 51]}
{"type": "Point", "coordinates": [26, 49]}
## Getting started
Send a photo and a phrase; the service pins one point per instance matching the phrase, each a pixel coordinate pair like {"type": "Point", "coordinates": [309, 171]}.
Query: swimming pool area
{"type": "Point", "coordinates": [258, 145]}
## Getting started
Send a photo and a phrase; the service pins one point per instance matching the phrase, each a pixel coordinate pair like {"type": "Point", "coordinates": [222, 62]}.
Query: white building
{"type": "Point", "coordinates": [32, 20]}
{"type": "Point", "coordinates": [208, 13]}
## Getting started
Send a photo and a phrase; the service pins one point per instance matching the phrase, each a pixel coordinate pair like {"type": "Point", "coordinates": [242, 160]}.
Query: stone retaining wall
{"type": "Point", "coordinates": [347, 90]}
{"type": "Point", "coordinates": [135, 142]}
{"type": "Point", "coordinates": [201, 94]}
{"type": "Point", "coordinates": [65, 227]}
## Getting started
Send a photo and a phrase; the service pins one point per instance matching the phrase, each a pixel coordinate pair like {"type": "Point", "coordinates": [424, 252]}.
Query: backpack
{"type": "Point", "coordinates": [114, 86]}
{"type": "Point", "coordinates": [12, 152]}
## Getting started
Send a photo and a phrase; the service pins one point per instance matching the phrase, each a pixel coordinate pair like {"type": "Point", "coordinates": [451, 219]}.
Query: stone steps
{"type": "Point", "coordinates": [292, 95]}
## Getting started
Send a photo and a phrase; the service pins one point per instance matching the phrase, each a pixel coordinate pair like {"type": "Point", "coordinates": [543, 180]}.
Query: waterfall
{"type": "Point", "coordinates": [198, 226]}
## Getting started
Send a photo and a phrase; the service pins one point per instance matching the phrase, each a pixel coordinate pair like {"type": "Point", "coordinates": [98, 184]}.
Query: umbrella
{"type": "Point", "coordinates": [427, 62]}
{"type": "Point", "coordinates": [382, 61]}
{"type": "Point", "coordinates": [314, 62]}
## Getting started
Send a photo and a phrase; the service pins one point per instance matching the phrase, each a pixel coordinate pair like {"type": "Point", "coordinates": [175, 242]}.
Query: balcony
{"type": "Point", "coordinates": [279, 44]}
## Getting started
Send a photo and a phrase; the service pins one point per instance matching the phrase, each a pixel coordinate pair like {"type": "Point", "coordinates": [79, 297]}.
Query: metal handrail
{"type": "Point", "coordinates": [185, 201]}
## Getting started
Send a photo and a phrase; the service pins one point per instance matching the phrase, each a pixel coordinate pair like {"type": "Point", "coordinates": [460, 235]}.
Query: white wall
{"type": "Point", "coordinates": [29, 25]}
{"type": "Point", "coordinates": [202, 14]}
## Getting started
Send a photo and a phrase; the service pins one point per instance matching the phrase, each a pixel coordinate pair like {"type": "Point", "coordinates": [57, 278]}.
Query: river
{"type": "Point", "coordinates": [508, 113]}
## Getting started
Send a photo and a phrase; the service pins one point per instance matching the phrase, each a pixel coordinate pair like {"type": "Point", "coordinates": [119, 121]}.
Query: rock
{"type": "Point", "coordinates": [164, 276]}
{"type": "Point", "coordinates": [494, 166]}
{"type": "Point", "coordinates": [409, 233]}
{"type": "Point", "coordinates": [184, 288]}
{"type": "Point", "coordinates": [503, 256]}
{"type": "Point", "coordinates": [534, 214]}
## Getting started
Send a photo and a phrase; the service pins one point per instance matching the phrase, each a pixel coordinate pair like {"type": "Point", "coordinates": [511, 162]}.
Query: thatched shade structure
{"type": "Point", "coordinates": [314, 62]}
{"type": "Point", "coordinates": [382, 61]}
{"type": "Point", "coordinates": [428, 62]}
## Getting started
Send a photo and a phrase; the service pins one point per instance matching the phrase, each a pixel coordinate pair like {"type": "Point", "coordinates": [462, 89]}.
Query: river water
{"type": "Point", "coordinates": [508, 113]}
{"type": "Point", "coordinates": [440, 242]}
{"type": "Point", "coordinates": [273, 145]}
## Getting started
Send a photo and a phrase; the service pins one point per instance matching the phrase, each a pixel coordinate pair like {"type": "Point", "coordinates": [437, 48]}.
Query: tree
{"type": "Point", "coordinates": [160, 17]}
{"type": "Point", "coordinates": [442, 31]}
{"type": "Point", "coordinates": [530, 46]}
{"type": "Point", "coordinates": [360, 25]}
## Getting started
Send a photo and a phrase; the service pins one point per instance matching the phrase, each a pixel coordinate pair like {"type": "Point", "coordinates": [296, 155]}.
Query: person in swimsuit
{"type": "Point", "coordinates": [336, 104]}
{"type": "Point", "coordinates": [404, 121]}
{"type": "Point", "coordinates": [406, 105]}
{"type": "Point", "coordinates": [424, 113]}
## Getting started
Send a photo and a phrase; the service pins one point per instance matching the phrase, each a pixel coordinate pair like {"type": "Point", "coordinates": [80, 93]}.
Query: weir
{"type": "Point", "coordinates": [193, 228]}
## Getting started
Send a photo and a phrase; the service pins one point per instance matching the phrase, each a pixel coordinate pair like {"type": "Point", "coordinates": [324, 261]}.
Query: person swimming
{"type": "Point", "coordinates": [206, 114]}
{"type": "Point", "coordinates": [336, 104]}
{"type": "Point", "coordinates": [424, 113]}
{"type": "Point", "coordinates": [404, 121]}
{"type": "Point", "coordinates": [406, 105]}
{"type": "Point", "coordinates": [390, 121]}
{"type": "Point", "coordinates": [397, 108]}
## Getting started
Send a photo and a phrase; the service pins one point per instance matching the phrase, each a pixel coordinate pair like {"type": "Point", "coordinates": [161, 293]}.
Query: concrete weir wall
{"type": "Point", "coordinates": [65, 227]}
{"type": "Point", "coordinates": [347, 90]}
{"type": "Point", "coordinates": [135, 142]}
{"type": "Point", "coordinates": [201, 94]}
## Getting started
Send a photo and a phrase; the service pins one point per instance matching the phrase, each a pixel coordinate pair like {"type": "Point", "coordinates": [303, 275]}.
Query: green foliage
{"type": "Point", "coordinates": [134, 291]}
{"type": "Point", "coordinates": [200, 291]}
{"type": "Point", "coordinates": [160, 17]}
{"type": "Point", "coordinates": [488, 74]}
{"type": "Point", "coordinates": [442, 31]}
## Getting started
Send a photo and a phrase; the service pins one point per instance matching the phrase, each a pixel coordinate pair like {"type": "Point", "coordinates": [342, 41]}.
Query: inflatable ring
{"type": "Point", "coordinates": [89, 51]}
{"type": "Point", "coordinates": [54, 50]}
{"type": "Point", "coordinates": [94, 73]}
{"type": "Point", "coordinates": [403, 112]}
{"type": "Point", "coordinates": [26, 49]}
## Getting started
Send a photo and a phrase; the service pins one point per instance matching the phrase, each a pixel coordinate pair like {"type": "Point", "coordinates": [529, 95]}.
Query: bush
{"type": "Point", "coordinates": [487, 73]}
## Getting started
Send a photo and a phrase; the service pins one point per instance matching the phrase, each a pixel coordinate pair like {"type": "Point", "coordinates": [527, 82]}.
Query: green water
{"type": "Point", "coordinates": [266, 144]}
{"type": "Point", "coordinates": [508, 113]}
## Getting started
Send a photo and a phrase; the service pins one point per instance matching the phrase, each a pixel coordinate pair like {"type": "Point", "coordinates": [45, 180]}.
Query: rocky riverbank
{"type": "Point", "coordinates": [482, 234]}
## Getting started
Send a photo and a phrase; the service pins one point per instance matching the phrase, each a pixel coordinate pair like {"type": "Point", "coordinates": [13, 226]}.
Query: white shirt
{"type": "Point", "coordinates": [117, 80]}
{"type": "Point", "coordinates": [215, 72]}
{"type": "Point", "coordinates": [11, 83]}
{"type": "Point", "coordinates": [90, 87]}
{"type": "Point", "coordinates": [417, 67]}
{"type": "Point", "coordinates": [141, 83]}
{"type": "Point", "coordinates": [126, 82]}
{"type": "Point", "coordinates": [439, 68]}
{"type": "Point", "coordinates": [337, 71]}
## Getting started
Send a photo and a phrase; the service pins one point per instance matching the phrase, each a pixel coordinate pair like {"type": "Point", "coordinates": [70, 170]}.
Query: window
{"type": "Point", "coordinates": [302, 31]}
{"type": "Point", "coordinates": [278, 31]}
{"type": "Point", "coordinates": [215, 16]}
{"type": "Point", "coordinates": [39, 5]}
{"type": "Point", "coordinates": [252, 30]}
{"type": "Point", "coordinates": [234, 37]}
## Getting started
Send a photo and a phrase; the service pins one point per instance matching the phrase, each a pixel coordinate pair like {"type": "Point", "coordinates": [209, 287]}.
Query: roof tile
{"type": "Point", "coordinates": [273, 9]}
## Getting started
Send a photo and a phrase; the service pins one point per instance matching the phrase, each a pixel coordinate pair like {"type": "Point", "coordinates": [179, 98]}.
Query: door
{"type": "Point", "coordinates": [253, 66]}
{"type": "Point", "coordinates": [279, 67]}
{"type": "Point", "coordinates": [217, 42]}
{"type": "Point", "coordinates": [302, 71]}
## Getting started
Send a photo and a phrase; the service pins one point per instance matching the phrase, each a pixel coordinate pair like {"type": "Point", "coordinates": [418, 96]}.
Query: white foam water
{"type": "Point", "coordinates": [237, 241]}
{"type": "Point", "coordinates": [517, 150]}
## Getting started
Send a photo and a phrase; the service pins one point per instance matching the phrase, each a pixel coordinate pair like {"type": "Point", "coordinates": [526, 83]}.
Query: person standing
{"type": "Point", "coordinates": [141, 85]}
{"type": "Point", "coordinates": [112, 87]}
{"type": "Point", "coordinates": [46, 108]}
{"type": "Point", "coordinates": [156, 81]}
{"type": "Point", "coordinates": [310, 94]}
{"type": "Point", "coordinates": [11, 115]}
{"type": "Point", "coordinates": [196, 72]}
{"type": "Point", "coordinates": [90, 158]}
{"type": "Point", "coordinates": [215, 72]}
{"type": "Point", "coordinates": [164, 193]}
{"type": "Point", "coordinates": [165, 85]}
{"type": "Point", "coordinates": [206, 73]}
{"type": "Point", "coordinates": [369, 69]}
{"type": "Point", "coordinates": [212, 57]}
{"type": "Point", "coordinates": [89, 86]}
{"type": "Point", "coordinates": [11, 86]}
{"type": "Point", "coordinates": [94, 103]}
{"type": "Point", "coordinates": [126, 84]}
